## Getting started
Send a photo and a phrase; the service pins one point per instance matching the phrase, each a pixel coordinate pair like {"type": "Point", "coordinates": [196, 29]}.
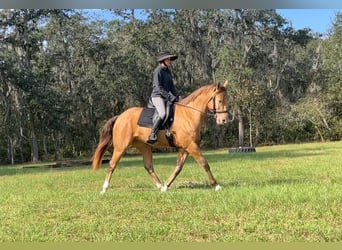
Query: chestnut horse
{"type": "Point", "coordinates": [188, 119]}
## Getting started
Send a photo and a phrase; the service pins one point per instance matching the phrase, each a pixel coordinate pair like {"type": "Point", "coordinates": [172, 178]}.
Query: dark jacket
{"type": "Point", "coordinates": [163, 84]}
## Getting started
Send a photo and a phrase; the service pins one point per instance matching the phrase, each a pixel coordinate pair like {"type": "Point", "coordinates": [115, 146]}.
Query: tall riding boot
{"type": "Point", "coordinates": [153, 136]}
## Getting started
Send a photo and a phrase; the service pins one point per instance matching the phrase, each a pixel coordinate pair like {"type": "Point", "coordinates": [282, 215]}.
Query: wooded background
{"type": "Point", "coordinates": [64, 73]}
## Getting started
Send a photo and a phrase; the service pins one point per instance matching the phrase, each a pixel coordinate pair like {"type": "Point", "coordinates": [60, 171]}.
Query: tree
{"type": "Point", "coordinates": [321, 106]}
{"type": "Point", "coordinates": [21, 37]}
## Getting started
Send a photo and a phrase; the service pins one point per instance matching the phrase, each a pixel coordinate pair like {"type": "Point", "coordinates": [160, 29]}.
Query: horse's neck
{"type": "Point", "coordinates": [200, 103]}
{"type": "Point", "coordinates": [197, 110]}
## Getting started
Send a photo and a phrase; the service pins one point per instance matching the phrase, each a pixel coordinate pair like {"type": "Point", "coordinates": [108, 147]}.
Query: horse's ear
{"type": "Point", "coordinates": [225, 84]}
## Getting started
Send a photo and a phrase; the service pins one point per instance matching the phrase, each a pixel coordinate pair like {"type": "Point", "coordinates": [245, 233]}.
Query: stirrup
{"type": "Point", "coordinates": [152, 139]}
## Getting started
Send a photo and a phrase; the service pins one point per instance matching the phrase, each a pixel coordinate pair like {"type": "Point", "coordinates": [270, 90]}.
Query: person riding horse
{"type": "Point", "coordinates": [163, 90]}
{"type": "Point", "coordinates": [123, 131]}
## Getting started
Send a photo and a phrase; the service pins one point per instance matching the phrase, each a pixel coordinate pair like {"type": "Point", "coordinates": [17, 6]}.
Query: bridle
{"type": "Point", "coordinates": [212, 111]}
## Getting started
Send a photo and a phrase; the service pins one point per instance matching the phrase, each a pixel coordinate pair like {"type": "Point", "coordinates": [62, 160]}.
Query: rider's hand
{"type": "Point", "coordinates": [173, 98]}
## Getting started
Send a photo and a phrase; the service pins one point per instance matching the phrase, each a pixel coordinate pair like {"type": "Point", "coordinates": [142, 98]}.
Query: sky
{"type": "Point", "coordinates": [318, 20]}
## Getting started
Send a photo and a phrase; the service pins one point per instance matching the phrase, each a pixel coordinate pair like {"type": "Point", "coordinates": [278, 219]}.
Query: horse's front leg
{"type": "Point", "coordinates": [195, 151]}
{"type": "Point", "coordinates": [182, 156]}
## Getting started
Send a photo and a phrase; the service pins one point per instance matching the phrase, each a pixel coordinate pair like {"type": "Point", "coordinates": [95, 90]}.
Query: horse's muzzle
{"type": "Point", "coordinates": [221, 120]}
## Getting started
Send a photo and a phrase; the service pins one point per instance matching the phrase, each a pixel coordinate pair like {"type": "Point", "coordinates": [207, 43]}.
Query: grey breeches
{"type": "Point", "coordinates": [159, 103]}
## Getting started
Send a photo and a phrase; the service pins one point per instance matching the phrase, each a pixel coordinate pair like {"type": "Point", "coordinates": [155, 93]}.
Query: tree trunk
{"type": "Point", "coordinates": [21, 144]}
{"type": "Point", "coordinates": [35, 156]}
{"type": "Point", "coordinates": [45, 148]}
{"type": "Point", "coordinates": [241, 126]}
{"type": "Point", "coordinates": [219, 137]}
{"type": "Point", "coordinates": [57, 145]}
{"type": "Point", "coordinates": [250, 128]}
{"type": "Point", "coordinates": [10, 151]}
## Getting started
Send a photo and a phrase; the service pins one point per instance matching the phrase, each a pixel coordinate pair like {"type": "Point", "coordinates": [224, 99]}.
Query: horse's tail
{"type": "Point", "coordinates": [106, 135]}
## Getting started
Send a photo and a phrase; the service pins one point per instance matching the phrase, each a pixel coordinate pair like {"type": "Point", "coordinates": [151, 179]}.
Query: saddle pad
{"type": "Point", "coordinates": [145, 118]}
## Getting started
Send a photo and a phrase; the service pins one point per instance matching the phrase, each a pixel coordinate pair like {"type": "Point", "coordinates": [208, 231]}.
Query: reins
{"type": "Point", "coordinates": [211, 112]}
{"type": "Point", "coordinates": [189, 107]}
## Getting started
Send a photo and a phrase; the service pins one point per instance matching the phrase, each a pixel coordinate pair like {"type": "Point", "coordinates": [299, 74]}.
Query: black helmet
{"type": "Point", "coordinates": [164, 55]}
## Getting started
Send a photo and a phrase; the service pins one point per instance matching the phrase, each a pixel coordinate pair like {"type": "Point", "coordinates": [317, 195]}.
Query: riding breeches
{"type": "Point", "coordinates": [159, 103]}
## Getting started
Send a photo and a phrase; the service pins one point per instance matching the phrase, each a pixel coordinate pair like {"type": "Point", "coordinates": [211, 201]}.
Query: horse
{"type": "Point", "coordinates": [189, 116]}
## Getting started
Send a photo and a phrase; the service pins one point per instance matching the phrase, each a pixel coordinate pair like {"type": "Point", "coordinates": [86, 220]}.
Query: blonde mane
{"type": "Point", "coordinates": [198, 92]}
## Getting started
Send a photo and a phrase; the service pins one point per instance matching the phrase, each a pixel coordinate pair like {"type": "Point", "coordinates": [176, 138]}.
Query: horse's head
{"type": "Point", "coordinates": [218, 103]}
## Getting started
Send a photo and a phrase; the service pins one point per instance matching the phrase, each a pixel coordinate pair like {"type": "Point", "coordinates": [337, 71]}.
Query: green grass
{"type": "Point", "coordinates": [289, 193]}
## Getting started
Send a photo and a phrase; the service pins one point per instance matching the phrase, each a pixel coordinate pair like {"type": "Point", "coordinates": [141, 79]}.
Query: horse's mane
{"type": "Point", "coordinates": [199, 92]}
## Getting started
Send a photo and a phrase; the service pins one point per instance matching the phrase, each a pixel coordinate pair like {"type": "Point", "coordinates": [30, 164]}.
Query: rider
{"type": "Point", "coordinates": [163, 90]}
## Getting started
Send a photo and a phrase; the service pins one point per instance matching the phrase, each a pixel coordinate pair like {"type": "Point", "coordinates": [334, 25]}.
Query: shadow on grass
{"type": "Point", "coordinates": [236, 184]}
{"type": "Point", "coordinates": [192, 185]}
{"type": "Point", "coordinates": [270, 182]}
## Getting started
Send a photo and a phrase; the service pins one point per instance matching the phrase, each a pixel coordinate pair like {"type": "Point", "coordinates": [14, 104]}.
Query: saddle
{"type": "Point", "coordinates": [148, 115]}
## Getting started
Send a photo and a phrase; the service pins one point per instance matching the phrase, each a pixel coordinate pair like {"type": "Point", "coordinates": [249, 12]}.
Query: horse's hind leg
{"type": "Point", "coordinates": [146, 152]}
{"type": "Point", "coordinates": [112, 165]}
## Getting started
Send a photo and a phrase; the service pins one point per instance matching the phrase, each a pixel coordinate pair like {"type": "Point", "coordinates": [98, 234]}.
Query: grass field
{"type": "Point", "coordinates": [289, 193]}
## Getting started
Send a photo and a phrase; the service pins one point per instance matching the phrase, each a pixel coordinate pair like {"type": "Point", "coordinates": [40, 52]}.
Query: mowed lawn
{"type": "Point", "coordinates": [290, 193]}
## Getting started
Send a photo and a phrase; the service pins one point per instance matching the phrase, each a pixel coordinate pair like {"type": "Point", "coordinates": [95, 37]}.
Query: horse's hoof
{"type": "Point", "coordinates": [163, 188]}
{"type": "Point", "coordinates": [102, 192]}
{"type": "Point", "coordinates": [217, 187]}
